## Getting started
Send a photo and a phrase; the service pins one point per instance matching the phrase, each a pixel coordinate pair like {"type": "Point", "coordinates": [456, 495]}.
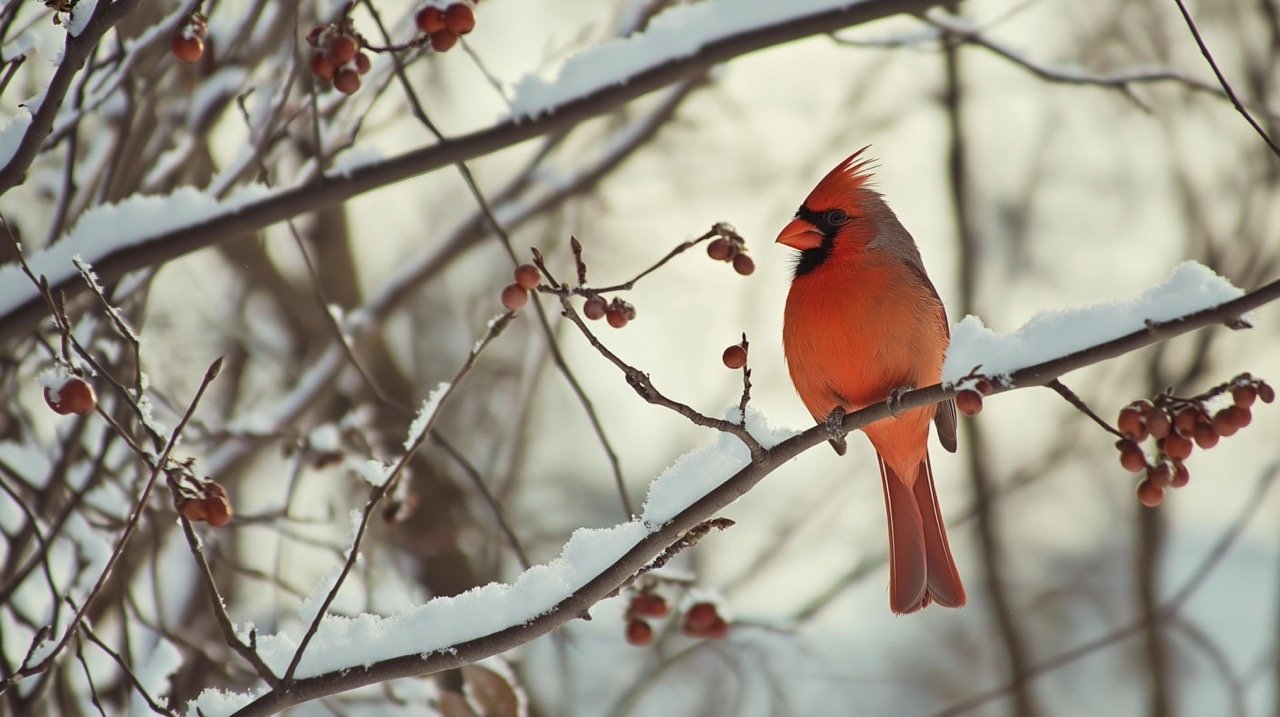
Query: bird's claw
{"type": "Point", "coordinates": [834, 421]}
{"type": "Point", "coordinates": [894, 400]}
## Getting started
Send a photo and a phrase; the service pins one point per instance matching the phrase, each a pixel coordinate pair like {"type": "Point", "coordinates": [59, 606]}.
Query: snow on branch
{"type": "Point", "coordinates": [449, 632]}
{"type": "Point", "coordinates": [593, 96]}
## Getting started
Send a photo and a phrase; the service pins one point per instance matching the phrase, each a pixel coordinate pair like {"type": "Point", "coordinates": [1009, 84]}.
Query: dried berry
{"type": "Point", "coordinates": [513, 297]}
{"type": "Point", "coordinates": [743, 265]}
{"type": "Point", "coordinates": [430, 20]}
{"type": "Point", "coordinates": [1184, 422]}
{"type": "Point", "coordinates": [313, 36]}
{"type": "Point", "coordinates": [1181, 476]}
{"type": "Point", "coordinates": [363, 64]}
{"type": "Point", "coordinates": [720, 249]}
{"type": "Point", "coordinates": [1224, 422]}
{"type": "Point", "coordinates": [735, 357]}
{"type": "Point", "coordinates": [616, 317]}
{"type": "Point", "coordinates": [1160, 474]}
{"type": "Point", "coordinates": [1266, 392]}
{"type": "Point", "coordinates": [74, 396]}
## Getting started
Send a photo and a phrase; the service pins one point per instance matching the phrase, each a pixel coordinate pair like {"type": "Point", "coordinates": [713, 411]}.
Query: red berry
{"type": "Point", "coordinates": [629, 311]}
{"type": "Point", "coordinates": [1266, 392]}
{"type": "Point", "coordinates": [699, 617]}
{"type": "Point", "coordinates": [342, 49]}
{"type": "Point", "coordinates": [313, 36]}
{"type": "Point", "coordinates": [459, 19]}
{"type": "Point", "coordinates": [983, 386]}
{"type": "Point", "coordinates": [1244, 396]}
{"type": "Point", "coordinates": [1185, 420]}
{"type": "Point", "coordinates": [717, 630]}
{"type": "Point", "coordinates": [1150, 494]}
{"type": "Point", "coordinates": [1241, 416]}
{"type": "Point", "coordinates": [594, 308]}
{"type": "Point", "coordinates": [430, 20]}
{"type": "Point", "coordinates": [649, 605]}
{"type": "Point", "coordinates": [1142, 406]}
{"type": "Point", "coordinates": [1160, 474]}
{"type": "Point", "coordinates": [743, 265]}
{"type": "Point", "coordinates": [735, 357]}
{"type": "Point", "coordinates": [1224, 421]}
{"type": "Point", "coordinates": [442, 40]}
{"type": "Point", "coordinates": [194, 510]}
{"type": "Point", "coordinates": [346, 81]}
{"type": "Point", "coordinates": [217, 507]}
{"type": "Point", "coordinates": [1181, 476]}
{"type": "Point", "coordinates": [616, 317]}
{"type": "Point", "coordinates": [969, 402]}
{"type": "Point", "coordinates": [1205, 436]}
{"type": "Point", "coordinates": [1176, 447]}
{"type": "Point", "coordinates": [527, 276]}
{"type": "Point", "coordinates": [362, 63]}
{"type": "Point", "coordinates": [1158, 424]}
{"type": "Point", "coordinates": [639, 633]}
{"type": "Point", "coordinates": [1132, 425]}
{"type": "Point", "coordinates": [720, 249]}
{"type": "Point", "coordinates": [1131, 457]}
{"type": "Point", "coordinates": [77, 396]}
{"type": "Point", "coordinates": [322, 66]}
{"type": "Point", "coordinates": [187, 49]}
{"type": "Point", "coordinates": [513, 297]}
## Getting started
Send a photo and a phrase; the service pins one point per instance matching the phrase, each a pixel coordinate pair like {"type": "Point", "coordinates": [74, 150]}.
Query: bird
{"type": "Point", "coordinates": [863, 324]}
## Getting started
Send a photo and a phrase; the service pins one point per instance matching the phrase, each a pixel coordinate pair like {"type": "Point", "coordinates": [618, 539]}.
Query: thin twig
{"type": "Point", "coordinates": [1222, 79]}
{"type": "Point", "coordinates": [1071, 397]}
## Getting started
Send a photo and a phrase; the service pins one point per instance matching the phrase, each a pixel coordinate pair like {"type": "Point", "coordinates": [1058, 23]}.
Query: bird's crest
{"type": "Point", "coordinates": [850, 175]}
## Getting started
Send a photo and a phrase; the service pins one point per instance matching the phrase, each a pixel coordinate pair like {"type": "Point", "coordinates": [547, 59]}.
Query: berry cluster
{"type": "Point", "coordinates": [209, 504]}
{"type": "Point", "coordinates": [516, 295]}
{"type": "Point", "coordinates": [969, 400]}
{"type": "Point", "coordinates": [731, 248]}
{"type": "Point", "coordinates": [75, 395]}
{"type": "Point", "coordinates": [188, 44]}
{"type": "Point", "coordinates": [1178, 425]}
{"type": "Point", "coordinates": [701, 620]}
{"type": "Point", "coordinates": [445, 26]}
{"type": "Point", "coordinates": [338, 56]}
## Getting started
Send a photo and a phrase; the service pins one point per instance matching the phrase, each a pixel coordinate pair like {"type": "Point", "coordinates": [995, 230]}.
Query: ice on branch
{"type": "Point", "coordinates": [439, 624]}
{"type": "Point", "coordinates": [108, 228]}
{"type": "Point", "coordinates": [676, 33]}
{"type": "Point", "coordinates": [1048, 335]}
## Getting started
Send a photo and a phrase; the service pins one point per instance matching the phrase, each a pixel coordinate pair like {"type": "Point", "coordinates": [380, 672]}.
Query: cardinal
{"type": "Point", "coordinates": [863, 324]}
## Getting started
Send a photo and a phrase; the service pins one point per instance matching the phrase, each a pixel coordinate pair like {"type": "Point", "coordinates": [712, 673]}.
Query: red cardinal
{"type": "Point", "coordinates": [863, 321]}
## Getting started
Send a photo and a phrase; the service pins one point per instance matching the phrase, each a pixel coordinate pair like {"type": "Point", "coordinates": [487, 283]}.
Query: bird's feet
{"type": "Point", "coordinates": [834, 419]}
{"type": "Point", "coordinates": [894, 399]}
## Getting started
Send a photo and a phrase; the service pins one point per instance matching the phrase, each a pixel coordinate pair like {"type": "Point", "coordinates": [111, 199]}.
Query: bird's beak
{"type": "Point", "coordinates": [800, 234]}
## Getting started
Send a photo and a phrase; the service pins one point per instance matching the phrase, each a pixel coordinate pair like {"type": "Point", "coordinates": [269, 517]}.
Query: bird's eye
{"type": "Point", "coordinates": [837, 217]}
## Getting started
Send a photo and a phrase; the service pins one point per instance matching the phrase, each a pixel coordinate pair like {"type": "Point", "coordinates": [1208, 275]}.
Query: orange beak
{"type": "Point", "coordinates": [800, 234]}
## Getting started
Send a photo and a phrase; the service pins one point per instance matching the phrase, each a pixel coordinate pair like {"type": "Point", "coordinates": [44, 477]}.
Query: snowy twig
{"type": "Point", "coordinates": [607, 579]}
{"type": "Point", "coordinates": [130, 525]}
{"type": "Point", "coordinates": [381, 490]}
{"type": "Point", "coordinates": [328, 190]}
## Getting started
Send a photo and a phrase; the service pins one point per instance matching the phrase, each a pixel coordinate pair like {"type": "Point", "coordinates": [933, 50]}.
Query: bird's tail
{"type": "Point", "coordinates": [921, 569]}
